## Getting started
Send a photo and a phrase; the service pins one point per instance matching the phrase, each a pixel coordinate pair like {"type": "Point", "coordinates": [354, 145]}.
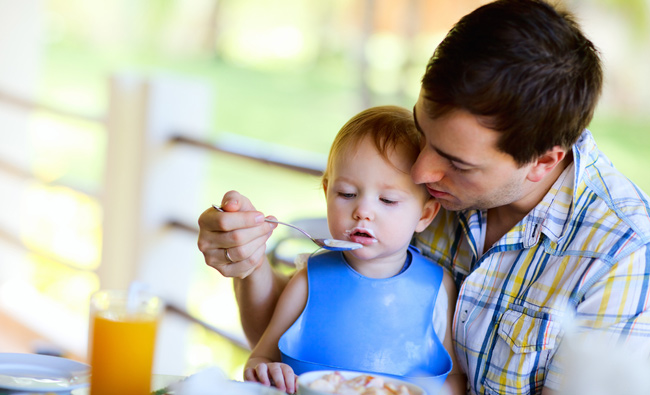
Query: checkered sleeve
{"type": "Point", "coordinates": [613, 307]}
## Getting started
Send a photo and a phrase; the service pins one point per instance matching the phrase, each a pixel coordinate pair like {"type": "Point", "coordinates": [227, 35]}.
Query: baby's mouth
{"type": "Point", "coordinates": [361, 235]}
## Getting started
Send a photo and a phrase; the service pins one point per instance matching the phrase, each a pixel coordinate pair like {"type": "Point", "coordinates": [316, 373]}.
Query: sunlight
{"type": "Point", "coordinates": [285, 41]}
{"type": "Point", "coordinates": [64, 223]}
{"type": "Point", "coordinates": [63, 148]}
{"type": "Point", "coordinates": [256, 45]}
{"type": "Point", "coordinates": [37, 311]}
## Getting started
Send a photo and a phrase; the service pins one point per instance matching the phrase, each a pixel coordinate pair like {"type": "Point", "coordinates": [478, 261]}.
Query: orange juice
{"type": "Point", "coordinates": [121, 349]}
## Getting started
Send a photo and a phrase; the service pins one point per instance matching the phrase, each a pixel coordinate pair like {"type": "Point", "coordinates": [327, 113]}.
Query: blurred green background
{"type": "Point", "coordinates": [290, 72]}
{"type": "Point", "coordinates": [293, 71]}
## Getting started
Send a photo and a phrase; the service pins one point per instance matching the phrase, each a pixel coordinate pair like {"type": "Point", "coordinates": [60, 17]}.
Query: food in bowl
{"type": "Point", "coordinates": [363, 384]}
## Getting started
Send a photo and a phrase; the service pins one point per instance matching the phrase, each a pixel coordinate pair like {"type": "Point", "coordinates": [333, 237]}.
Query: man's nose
{"type": "Point", "coordinates": [428, 168]}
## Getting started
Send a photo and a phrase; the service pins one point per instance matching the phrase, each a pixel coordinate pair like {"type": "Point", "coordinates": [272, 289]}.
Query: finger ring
{"type": "Point", "coordinates": [225, 252]}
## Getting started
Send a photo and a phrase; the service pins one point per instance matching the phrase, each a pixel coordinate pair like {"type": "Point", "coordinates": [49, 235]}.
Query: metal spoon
{"type": "Point", "coordinates": [328, 244]}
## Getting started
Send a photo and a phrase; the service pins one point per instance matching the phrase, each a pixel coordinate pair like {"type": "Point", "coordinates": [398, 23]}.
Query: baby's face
{"type": "Point", "coordinates": [373, 202]}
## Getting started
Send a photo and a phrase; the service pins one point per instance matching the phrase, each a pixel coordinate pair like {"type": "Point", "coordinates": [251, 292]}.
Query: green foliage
{"type": "Point", "coordinates": [625, 140]}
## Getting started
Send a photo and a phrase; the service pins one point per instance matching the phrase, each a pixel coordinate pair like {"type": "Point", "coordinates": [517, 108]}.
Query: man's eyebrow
{"type": "Point", "coordinates": [438, 151]}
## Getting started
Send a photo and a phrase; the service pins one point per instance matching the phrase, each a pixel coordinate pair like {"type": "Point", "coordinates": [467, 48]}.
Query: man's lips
{"type": "Point", "coordinates": [436, 193]}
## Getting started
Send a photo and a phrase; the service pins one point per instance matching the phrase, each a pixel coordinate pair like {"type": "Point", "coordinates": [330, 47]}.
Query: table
{"type": "Point", "coordinates": [159, 381]}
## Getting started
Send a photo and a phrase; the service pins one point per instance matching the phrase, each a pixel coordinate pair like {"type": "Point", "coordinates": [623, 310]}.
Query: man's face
{"type": "Point", "coordinates": [460, 164]}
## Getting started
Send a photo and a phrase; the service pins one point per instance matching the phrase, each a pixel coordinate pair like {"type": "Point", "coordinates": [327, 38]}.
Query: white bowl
{"type": "Point", "coordinates": [305, 379]}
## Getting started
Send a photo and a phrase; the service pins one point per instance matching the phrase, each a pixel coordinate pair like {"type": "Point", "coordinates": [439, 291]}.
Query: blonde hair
{"type": "Point", "coordinates": [390, 127]}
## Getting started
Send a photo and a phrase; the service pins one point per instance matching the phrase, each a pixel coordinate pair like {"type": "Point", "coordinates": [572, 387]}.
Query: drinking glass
{"type": "Point", "coordinates": [122, 339]}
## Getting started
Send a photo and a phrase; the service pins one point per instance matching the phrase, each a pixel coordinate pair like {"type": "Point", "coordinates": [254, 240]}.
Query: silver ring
{"type": "Point", "coordinates": [225, 252]}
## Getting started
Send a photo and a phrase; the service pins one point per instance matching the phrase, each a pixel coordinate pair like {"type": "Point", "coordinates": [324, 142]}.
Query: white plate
{"type": "Point", "coordinates": [214, 381]}
{"type": "Point", "coordinates": [27, 372]}
{"type": "Point", "coordinates": [306, 378]}
{"type": "Point", "coordinates": [208, 381]}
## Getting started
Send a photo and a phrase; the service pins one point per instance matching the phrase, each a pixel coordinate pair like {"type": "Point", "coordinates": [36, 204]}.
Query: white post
{"type": "Point", "coordinates": [149, 181]}
{"type": "Point", "coordinates": [21, 28]}
{"type": "Point", "coordinates": [123, 180]}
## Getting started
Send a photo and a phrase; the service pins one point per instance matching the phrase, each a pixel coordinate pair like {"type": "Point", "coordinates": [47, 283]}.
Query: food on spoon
{"type": "Point", "coordinates": [335, 383]}
{"type": "Point", "coordinates": [342, 244]}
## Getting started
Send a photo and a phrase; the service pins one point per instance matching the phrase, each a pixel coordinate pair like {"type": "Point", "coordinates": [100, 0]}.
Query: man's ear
{"type": "Point", "coordinates": [431, 208]}
{"type": "Point", "coordinates": [546, 163]}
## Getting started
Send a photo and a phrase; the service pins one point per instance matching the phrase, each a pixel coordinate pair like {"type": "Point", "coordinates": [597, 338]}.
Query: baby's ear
{"type": "Point", "coordinates": [325, 186]}
{"type": "Point", "coordinates": [429, 211]}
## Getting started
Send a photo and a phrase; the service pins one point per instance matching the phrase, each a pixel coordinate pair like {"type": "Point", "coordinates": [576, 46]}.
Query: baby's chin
{"type": "Point", "coordinates": [364, 253]}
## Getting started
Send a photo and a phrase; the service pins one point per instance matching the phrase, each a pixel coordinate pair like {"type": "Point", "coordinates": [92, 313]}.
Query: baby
{"type": "Point", "coordinates": [383, 308]}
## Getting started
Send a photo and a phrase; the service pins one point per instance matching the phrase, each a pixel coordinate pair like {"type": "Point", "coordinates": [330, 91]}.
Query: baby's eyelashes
{"type": "Point", "coordinates": [388, 201]}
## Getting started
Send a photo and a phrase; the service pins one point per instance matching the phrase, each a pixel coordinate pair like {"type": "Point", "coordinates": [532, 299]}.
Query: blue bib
{"type": "Point", "coordinates": [384, 326]}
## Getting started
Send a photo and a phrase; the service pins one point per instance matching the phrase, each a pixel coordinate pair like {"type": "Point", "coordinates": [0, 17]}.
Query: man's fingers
{"type": "Point", "coordinates": [217, 221]}
{"type": "Point", "coordinates": [233, 241]}
{"type": "Point", "coordinates": [211, 240]}
{"type": "Point", "coordinates": [234, 201]}
{"type": "Point", "coordinates": [240, 244]}
{"type": "Point", "coordinates": [244, 267]}
{"type": "Point", "coordinates": [257, 259]}
{"type": "Point", "coordinates": [248, 237]}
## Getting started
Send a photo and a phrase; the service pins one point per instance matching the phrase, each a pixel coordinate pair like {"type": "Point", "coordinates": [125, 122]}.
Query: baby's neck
{"type": "Point", "coordinates": [380, 267]}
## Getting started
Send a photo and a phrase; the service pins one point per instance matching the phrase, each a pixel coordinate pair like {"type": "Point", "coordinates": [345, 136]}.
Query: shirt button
{"type": "Point", "coordinates": [463, 316]}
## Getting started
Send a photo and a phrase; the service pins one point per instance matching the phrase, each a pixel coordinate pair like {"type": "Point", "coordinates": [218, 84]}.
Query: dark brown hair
{"type": "Point", "coordinates": [390, 127]}
{"type": "Point", "coordinates": [524, 68]}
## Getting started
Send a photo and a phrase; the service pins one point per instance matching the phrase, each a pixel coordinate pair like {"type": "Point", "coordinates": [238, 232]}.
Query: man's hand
{"type": "Point", "coordinates": [234, 241]}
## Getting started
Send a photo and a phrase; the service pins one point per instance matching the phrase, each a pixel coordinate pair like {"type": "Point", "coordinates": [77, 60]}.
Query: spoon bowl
{"type": "Point", "coordinates": [327, 244]}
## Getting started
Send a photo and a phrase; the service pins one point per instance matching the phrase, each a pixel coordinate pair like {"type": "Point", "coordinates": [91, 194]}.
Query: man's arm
{"type": "Point", "coordinates": [257, 296]}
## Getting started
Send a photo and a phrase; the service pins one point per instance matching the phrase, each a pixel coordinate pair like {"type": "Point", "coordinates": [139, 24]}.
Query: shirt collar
{"type": "Point", "coordinates": [553, 214]}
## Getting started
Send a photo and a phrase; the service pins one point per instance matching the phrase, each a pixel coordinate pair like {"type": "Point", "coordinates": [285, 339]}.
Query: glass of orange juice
{"type": "Point", "coordinates": [122, 341]}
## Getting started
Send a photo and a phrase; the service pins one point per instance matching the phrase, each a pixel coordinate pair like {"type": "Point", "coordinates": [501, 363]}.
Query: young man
{"type": "Point", "coordinates": [538, 228]}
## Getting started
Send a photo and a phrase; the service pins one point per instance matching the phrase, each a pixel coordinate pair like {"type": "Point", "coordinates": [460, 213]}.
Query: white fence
{"type": "Point", "coordinates": [156, 159]}
{"type": "Point", "coordinates": [157, 156]}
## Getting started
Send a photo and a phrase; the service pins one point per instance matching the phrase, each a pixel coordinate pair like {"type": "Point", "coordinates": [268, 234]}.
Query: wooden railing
{"type": "Point", "coordinates": [25, 104]}
{"type": "Point", "coordinates": [149, 123]}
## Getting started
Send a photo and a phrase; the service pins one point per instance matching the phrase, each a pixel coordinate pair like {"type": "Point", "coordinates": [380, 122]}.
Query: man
{"type": "Point", "coordinates": [538, 228]}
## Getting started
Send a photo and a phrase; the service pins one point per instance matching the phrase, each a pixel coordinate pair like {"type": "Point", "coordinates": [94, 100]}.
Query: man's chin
{"type": "Point", "coordinates": [453, 206]}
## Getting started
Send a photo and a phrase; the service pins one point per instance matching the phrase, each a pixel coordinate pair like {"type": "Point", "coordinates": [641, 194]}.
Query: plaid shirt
{"type": "Point", "coordinates": [582, 252]}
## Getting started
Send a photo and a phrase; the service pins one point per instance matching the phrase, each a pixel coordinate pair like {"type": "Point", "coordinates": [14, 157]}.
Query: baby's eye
{"type": "Point", "coordinates": [387, 201]}
{"type": "Point", "coordinates": [346, 195]}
